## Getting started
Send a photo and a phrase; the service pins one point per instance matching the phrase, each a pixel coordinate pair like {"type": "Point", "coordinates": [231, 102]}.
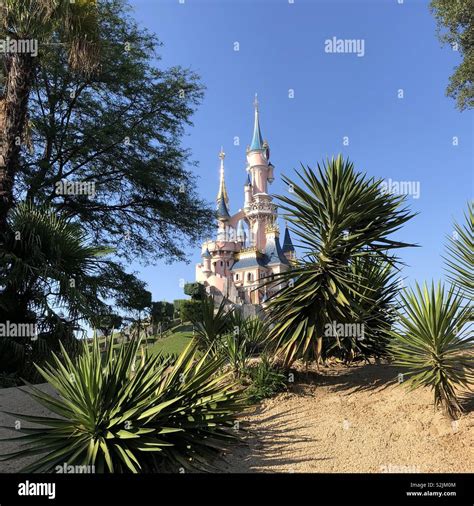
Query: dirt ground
{"type": "Point", "coordinates": [355, 419]}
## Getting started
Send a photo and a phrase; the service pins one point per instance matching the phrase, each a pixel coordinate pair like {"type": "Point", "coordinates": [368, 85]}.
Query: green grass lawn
{"type": "Point", "coordinates": [174, 343]}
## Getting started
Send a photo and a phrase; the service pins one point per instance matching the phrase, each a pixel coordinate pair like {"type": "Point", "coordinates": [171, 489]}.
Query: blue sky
{"type": "Point", "coordinates": [282, 48]}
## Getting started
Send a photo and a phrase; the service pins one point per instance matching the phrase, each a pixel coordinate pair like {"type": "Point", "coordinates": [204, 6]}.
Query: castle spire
{"type": "Point", "coordinates": [257, 140]}
{"type": "Point", "coordinates": [222, 194]}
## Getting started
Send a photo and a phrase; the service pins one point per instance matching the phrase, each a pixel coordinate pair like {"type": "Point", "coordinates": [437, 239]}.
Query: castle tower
{"type": "Point", "coordinates": [261, 212]}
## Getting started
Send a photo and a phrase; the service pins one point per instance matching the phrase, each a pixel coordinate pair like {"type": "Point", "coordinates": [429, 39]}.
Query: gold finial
{"type": "Point", "coordinates": [222, 189]}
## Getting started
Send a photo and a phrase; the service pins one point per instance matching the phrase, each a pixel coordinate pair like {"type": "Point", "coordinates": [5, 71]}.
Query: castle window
{"type": "Point", "coordinates": [222, 263]}
{"type": "Point", "coordinates": [236, 277]}
{"type": "Point", "coordinates": [249, 276]}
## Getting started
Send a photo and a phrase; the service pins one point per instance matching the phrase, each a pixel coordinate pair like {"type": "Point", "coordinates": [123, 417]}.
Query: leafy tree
{"type": "Point", "coordinates": [136, 301]}
{"type": "Point", "coordinates": [196, 291]}
{"type": "Point", "coordinates": [161, 312]}
{"type": "Point", "coordinates": [190, 310]}
{"type": "Point", "coordinates": [455, 20]}
{"type": "Point", "coordinates": [178, 304]}
{"type": "Point", "coordinates": [338, 215]}
{"type": "Point", "coordinates": [119, 129]}
{"type": "Point", "coordinates": [107, 322]}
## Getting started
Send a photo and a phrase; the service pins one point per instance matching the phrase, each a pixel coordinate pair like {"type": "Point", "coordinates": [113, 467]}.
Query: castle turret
{"type": "Point", "coordinates": [206, 262]}
{"type": "Point", "coordinates": [247, 192]}
{"type": "Point", "coordinates": [261, 211]}
{"type": "Point", "coordinates": [241, 235]}
{"type": "Point", "coordinates": [288, 248]}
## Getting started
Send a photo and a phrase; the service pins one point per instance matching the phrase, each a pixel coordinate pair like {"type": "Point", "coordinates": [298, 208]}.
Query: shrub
{"type": "Point", "coordinates": [124, 415]}
{"type": "Point", "coordinates": [265, 380]}
{"type": "Point", "coordinates": [211, 324]}
{"type": "Point", "coordinates": [434, 345]}
{"type": "Point", "coordinates": [197, 291]}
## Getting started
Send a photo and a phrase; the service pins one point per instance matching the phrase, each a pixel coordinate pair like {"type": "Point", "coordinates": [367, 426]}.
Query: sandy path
{"type": "Point", "coordinates": [354, 419]}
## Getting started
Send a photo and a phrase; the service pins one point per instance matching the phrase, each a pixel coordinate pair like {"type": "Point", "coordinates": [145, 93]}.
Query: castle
{"type": "Point", "coordinates": [246, 252]}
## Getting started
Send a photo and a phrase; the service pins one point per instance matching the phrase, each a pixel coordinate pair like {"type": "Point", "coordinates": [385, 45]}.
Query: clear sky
{"type": "Point", "coordinates": [282, 48]}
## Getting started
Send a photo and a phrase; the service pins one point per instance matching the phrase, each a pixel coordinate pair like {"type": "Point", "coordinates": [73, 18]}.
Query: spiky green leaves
{"type": "Point", "coordinates": [212, 323]}
{"type": "Point", "coordinates": [338, 215]}
{"type": "Point", "coordinates": [121, 414]}
{"type": "Point", "coordinates": [461, 254]}
{"type": "Point", "coordinates": [435, 343]}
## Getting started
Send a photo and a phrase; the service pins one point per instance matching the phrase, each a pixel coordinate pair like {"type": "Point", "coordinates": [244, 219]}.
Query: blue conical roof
{"type": "Point", "coordinates": [241, 235]}
{"type": "Point", "coordinates": [257, 139]}
{"type": "Point", "coordinates": [273, 252]}
{"type": "Point", "coordinates": [222, 211]}
{"type": "Point", "coordinates": [287, 242]}
{"type": "Point", "coordinates": [206, 254]}
{"type": "Point", "coordinates": [248, 182]}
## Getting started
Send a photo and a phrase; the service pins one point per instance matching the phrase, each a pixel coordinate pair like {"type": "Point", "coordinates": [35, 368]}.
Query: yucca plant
{"type": "Point", "coordinates": [212, 323]}
{"type": "Point", "coordinates": [129, 413]}
{"type": "Point", "coordinates": [256, 333]}
{"type": "Point", "coordinates": [435, 343]}
{"type": "Point", "coordinates": [265, 380]}
{"type": "Point", "coordinates": [374, 296]}
{"type": "Point", "coordinates": [460, 261]}
{"type": "Point", "coordinates": [233, 351]}
{"type": "Point", "coordinates": [337, 215]}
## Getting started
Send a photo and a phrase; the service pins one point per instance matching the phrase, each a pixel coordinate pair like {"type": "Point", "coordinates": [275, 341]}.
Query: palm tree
{"type": "Point", "coordinates": [338, 215]}
{"type": "Point", "coordinates": [461, 254]}
{"type": "Point", "coordinates": [45, 21]}
{"type": "Point", "coordinates": [48, 264]}
{"type": "Point", "coordinates": [434, 343]}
